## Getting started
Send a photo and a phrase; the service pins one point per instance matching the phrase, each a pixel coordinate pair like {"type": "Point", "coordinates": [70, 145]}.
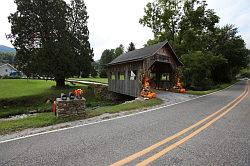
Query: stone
{"type": "Point", "coordinates": [75, 107]}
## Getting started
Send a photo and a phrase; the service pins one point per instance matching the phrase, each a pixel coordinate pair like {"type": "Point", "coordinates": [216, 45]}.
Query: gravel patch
{"type": "Point", "coordinates": [168, 98]}
{"type": "Point", "coordinates": [171, 98]}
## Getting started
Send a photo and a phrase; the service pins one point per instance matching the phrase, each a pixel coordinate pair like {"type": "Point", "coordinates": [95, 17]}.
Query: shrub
{"type": "Point", "coordinates": [197, 72]}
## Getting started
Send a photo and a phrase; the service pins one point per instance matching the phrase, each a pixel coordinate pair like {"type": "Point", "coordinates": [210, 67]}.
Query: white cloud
{"type": "Point", "coordinates": [115, 22]}
{"type": "Point", "coordinates": [234, 12]}
{"type": "Point", "coordinates": [6, 7]}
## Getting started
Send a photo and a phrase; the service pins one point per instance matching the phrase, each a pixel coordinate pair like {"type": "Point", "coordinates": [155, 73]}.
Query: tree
{"type": "Point", "coordinates": [231, 46]}
{"type": "Point", "coordinates": [107, 56]}
{"type": "Point", "coordinates": [7, 57]}
{"type": "Point", "coordinates": [118, 51]}
{"type": "Point", "coordinates": [80, 37]}
{"type": "Point", "coordinates": [131, 46]}
{"type": "Point", "coordinates": [162, 16]}
{"type": "Point", "coordinates": [195, 33]}
{"type": "Point", "coordinates": [95, 68]}
{"type": "Point", "coordinates": [196, 26]}
{"type": "Point", "coordinates": [198, 66]}
{"type": "Point", "coordinates": [47, 42]}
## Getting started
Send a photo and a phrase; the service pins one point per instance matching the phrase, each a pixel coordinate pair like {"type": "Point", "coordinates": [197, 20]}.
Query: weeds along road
{"type": "Point", "coordinates": [211, 130]}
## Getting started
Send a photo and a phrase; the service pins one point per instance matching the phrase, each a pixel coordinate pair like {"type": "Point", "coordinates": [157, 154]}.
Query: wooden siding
{"type": "Point", "coordinates": [163, 56]}
{"type": "Point", "coordinates": [166, 52]}
{"type": "Point", "coordinates": [126, 86]}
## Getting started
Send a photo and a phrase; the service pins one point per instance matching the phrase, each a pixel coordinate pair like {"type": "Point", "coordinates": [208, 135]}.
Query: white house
{"type": "Point", "coordinates": [8, 70]}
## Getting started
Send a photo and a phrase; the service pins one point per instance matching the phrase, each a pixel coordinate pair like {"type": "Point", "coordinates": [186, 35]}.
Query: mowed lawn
{"type": "Point", "coordinates": [14, 88]}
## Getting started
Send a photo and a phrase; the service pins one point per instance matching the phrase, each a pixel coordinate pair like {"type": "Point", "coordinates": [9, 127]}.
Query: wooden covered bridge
{"type": "Point", "coordinates": [158, 62]}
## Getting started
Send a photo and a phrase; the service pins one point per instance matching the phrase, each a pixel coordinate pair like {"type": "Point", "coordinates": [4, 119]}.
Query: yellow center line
{"type": "Point", "coordinates": [174, 145]}
{"type": "Point", "coordinates": [152, 147]}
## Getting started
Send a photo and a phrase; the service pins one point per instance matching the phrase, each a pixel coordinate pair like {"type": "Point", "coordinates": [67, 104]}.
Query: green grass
{"type": "Point", "coordinates": [219, 87]}
{"type": "Point", "coordinates": [18, 110]}
{"type": "Point", "coordinates": [15, 88]}
{"type": "Point", "coordinates": [22, 90]}
{"type": "Point", "coordinates": [47, 119]}
{"type": "Point", "coordinates": [43, 119]}
{"type": "Point", "coordinates": [124, 107]}
{"type": "Point", "coordinates": [91, 79]}
{"type": "Point", "coordinates": [19, 96]}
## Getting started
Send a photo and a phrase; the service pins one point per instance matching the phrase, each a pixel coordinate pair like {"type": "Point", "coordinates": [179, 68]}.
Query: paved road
{"type": "Point", "coordinates": [224, 142]}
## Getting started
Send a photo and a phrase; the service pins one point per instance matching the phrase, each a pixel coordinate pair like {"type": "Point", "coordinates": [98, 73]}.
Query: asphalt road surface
{"type": "Point", "coordinates": [210, 130]}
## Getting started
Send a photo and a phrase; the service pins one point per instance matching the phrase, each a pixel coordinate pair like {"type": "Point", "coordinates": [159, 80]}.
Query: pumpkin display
{"type": "Point", "coordinates": [146, 91]}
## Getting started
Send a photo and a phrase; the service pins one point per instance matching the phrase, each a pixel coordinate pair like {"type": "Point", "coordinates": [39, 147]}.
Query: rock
{"type": "Point", "coordinates": [70, 107]}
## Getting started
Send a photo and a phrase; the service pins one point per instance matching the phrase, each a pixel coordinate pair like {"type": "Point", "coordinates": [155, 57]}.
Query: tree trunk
{"type": "Point", "coordinates": [60, 82]}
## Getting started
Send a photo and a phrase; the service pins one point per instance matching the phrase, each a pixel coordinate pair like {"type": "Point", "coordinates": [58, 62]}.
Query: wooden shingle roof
{"type": "Point", "coordinates": [141, 54]}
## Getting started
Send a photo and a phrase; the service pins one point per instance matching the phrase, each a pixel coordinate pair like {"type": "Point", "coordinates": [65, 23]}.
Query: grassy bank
{"type": "Point", "coordinates": [124, 107]}
{"type": "Point", "coordinates": [219, 87]}
{"type": "Point", "coordinates": [18, 110]}
{"type": "Point", "coordinates": [47, 119]}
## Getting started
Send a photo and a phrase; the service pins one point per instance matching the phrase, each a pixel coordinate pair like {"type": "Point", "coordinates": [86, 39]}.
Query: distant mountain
{"type": "Point", "coordinates": [6, 49]}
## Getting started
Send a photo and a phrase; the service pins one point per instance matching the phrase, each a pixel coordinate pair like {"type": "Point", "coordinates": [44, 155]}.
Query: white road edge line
{"type": "Point", "coordinates": [119, 117]}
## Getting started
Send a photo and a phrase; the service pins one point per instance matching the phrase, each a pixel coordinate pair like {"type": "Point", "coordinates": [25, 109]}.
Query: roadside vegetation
{"type": "Point", "coordinates": [125, 107]}
{"type": "Point", "coordinates": [216, 88]}
{"type": "Point", "coordinates": [245, 73]}
{"type": "Point", "coordinates": [21, 97]}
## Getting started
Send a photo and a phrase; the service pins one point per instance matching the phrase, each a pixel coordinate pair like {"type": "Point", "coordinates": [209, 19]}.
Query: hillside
{"type": "Point", "coordinates": [6, 49]}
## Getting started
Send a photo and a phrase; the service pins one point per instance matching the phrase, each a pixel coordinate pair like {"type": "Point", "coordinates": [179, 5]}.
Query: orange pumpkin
{"type": "Point", "coordinates": [182, 90]}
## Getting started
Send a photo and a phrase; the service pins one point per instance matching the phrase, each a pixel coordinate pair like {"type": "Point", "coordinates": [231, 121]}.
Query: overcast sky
{"type": "Point", "coordinates": [115, 22]}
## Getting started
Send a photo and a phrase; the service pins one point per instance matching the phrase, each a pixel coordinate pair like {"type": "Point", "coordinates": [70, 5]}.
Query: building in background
{"type": "Point", "coordinates": [9, 70]}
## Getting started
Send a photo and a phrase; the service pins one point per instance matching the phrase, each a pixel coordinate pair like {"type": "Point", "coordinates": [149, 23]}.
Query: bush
{"type": "Point", "coordinates": [197, 72]}
{"type": "Point", "coordinates": [84, 75]}
{"type": "Point", "coordinates": [103, 74]}
{"type": "Point", "coordinates": [245, 73]}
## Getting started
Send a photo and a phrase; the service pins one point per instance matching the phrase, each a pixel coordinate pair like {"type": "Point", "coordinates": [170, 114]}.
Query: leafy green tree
{"type": "Point", "coordinates": [118, 51]}
{"type": "Point", "coordinates": [80, 37]}
{"type": "Point", "coordinates": [46, 35]}
{"type": "Point", "coordinates": [7, 57]}
{"type": "Point", "coordinates": [95, 68]}
{"type": "Point", "coordinates": [131, 47]}
{"type": "Point", "coordinates": [194, 30]}
{"type": "Point", "coordinates": [231, 46]}
{"type": "Point", "coordinates": [107, 56]}
{"type": "Point", "coordinates": [39, 34]}
{"type": "Point", "coordinates": [197, 23]}
{"type": "Point", "coordinates": [198, 66]}
{"type": "Point", "coordinates": [162, 16]}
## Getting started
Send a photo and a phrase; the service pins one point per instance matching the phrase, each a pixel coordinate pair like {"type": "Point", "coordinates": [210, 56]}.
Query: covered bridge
{"type": "Point", "coordinates": [158, 62]}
